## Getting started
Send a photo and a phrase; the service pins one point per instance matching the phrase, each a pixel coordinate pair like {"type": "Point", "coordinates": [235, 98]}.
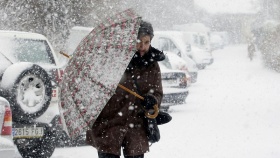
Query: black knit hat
{"type": "Point", "coordinates": [146, 28]}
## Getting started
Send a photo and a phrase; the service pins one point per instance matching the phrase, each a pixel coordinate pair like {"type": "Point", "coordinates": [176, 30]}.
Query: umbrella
{"type": "Point", "coordinates": [93, 73]}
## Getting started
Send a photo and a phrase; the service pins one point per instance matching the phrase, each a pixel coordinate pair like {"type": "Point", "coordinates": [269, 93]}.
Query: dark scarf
{"type": "Point", "coordinates": [147, 59]}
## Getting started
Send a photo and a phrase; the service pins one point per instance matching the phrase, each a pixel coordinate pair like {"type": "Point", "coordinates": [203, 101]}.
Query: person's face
{"type": "Point", "coordinates": [143, 44]}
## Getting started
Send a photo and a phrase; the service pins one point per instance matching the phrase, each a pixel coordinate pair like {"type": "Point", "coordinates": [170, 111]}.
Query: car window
{"type": "Point", "coordinates": [202, 40]}
{"type": "Point", "coordinates": [195, 38]}
{"type": "Point", "coordinates": [172, 46]}
{"type": "Point", "coordinates": [163, 44]}
{"type": "Point", "coordinates": [166, 44]}
{"type": "Point", "coordinates": [27, 50]}
{"type": "Point", "coordinates": [33, 51]}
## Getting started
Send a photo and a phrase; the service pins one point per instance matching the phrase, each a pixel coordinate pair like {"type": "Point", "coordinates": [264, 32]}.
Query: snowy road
{"type": "Point", "coordinates": [233, 111]}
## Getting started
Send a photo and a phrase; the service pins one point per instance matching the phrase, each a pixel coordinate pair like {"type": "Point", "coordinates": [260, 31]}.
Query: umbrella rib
{"type": "Point", "coordinates": [103, 86]}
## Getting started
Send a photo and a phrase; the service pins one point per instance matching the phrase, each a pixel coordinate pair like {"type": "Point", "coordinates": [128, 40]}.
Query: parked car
{"type": "Point", "coordinates": [173, 61]}
{"type": "Point", "coordinates": [207, 54]}
{"type": "Point", "coordinates": [174, 84]}
{"type": "Point", "coordinates": [216, 41]}
{"type": "Point", "coordinates": [198, 39]}
{"type": "Point", "coordinates": [173, 41]}
{"type": "Point", "coordinates": [7, 148]}
{"type": "Point", "coordinates": [29, 81]}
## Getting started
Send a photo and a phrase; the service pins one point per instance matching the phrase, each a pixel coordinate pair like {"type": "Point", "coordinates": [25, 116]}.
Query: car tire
{"type": "Point", "coordinates": [79, 141]}
{"type": "Point", "coordinates": [38, 147]}
{"type": "Point", "coordinates": [165, 108]}
{"type": "Point", "coordinates": [63, 140]}
{"type": "Point", "coordinates": [32, 81]}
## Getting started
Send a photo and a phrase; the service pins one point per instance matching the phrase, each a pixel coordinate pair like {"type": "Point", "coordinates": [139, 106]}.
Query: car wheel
{"type": "Point", "coordinates": [164, 108]}
{"type": "Point", "coordinates": [80, 141]}
{"type": "Point", "coordinates": [29, 92]}
{"type": "Point", "coordinates": [63, 140]}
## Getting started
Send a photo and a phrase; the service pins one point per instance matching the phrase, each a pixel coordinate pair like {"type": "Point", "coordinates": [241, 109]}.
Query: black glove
{"type": "Point", "coordinates": [149, 101]}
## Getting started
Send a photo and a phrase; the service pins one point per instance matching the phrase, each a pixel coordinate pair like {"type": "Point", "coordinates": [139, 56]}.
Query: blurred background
{"type": "Point", "coordinates": [239, 21]}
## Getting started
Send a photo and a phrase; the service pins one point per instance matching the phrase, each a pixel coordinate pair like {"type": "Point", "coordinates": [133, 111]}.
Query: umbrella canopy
{"type": "Point", "coordinates": [93, 73]}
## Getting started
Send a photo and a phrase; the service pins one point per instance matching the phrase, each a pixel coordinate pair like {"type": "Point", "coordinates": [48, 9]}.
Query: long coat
{"type": "Point", "coordinates": [120, 123]}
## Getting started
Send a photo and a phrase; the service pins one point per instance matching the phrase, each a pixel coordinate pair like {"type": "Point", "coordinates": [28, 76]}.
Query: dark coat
{"type": "Point", "coordinates": [251, 48]}
{"type": "Point", "coordinates": [120, 123]}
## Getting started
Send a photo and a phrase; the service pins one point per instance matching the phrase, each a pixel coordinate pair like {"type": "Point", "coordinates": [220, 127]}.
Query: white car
{"type": "Point", "coordinates": [174, 85]}
{"type": "Point", "coordinates": [7, 148]}
{"type": "Point", "coordinates": [208, 59]}
{"type": "Point", "coordinates": [178, 63]}
{"type": "Point", "coordinates": [29, 80]}
{"type": "Point", "coordinates": [216, 41]}
{"type": "Point", "coordinates": [173, 41]}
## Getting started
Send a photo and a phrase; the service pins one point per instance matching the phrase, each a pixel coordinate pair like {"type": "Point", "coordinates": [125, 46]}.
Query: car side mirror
{"type": "Point", "coordinates": [179, 54]}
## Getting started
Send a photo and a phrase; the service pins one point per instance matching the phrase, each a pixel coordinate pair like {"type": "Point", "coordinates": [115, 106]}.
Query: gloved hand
{"type": "Point", "coordinates": [149, 101]}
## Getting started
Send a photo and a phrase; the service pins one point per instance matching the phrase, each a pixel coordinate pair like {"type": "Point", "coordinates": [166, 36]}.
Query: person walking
{"type": "Point", "coordinates": [251, 50]}
{"type": "Point", "coordinates": [120, 126]}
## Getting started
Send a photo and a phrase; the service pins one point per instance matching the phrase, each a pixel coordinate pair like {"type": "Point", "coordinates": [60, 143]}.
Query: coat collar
{"type": "Point", "coordinates": [153, 55]}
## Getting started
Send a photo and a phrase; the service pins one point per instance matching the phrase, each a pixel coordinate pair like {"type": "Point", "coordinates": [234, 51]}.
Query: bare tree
{"type": "Point", "coordinates": [54, 18]}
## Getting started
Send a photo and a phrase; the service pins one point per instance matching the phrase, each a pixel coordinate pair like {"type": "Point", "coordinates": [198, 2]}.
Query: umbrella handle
{"type": "Point", "coordinates": [156, 110]}
{"type": "Point", "coordinates": [64, 54]}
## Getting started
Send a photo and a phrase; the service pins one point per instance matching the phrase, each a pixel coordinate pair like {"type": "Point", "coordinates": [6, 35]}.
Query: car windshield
{"type": "Point", "coordinates": [166, 63]}
{"type": "Point", "coordinates": [26, 50]}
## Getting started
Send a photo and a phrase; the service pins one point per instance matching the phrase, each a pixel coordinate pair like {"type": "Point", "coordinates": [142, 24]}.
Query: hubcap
{"type": "Point", "coordinates": [31, 93]}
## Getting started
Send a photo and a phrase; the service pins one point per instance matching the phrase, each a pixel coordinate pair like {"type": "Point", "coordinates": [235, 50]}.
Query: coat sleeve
{"type": "Point", "coordinates": [157, 86]}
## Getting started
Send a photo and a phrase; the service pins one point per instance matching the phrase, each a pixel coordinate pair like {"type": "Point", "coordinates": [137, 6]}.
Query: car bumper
{"type": "Point", "coordinates": [7, 148]}
{"type": "Point", "coordinates": [173, 96]}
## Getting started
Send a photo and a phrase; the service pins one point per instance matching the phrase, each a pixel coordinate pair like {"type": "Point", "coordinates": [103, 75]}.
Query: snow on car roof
{"type": "Point", "coordinates": [20, 34]}
{"type": "Point", "coordinates": [82, 28]}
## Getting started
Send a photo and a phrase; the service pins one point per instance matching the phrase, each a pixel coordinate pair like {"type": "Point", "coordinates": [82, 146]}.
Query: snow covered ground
{"type": "Point", "coordinates": [231, 112]}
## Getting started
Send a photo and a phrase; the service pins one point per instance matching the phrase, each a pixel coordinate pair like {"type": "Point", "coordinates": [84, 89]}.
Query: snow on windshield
{"type": "Point", "coordinates": [24, 50]}
{"type": "Point", "coordinates": [5, 58]}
